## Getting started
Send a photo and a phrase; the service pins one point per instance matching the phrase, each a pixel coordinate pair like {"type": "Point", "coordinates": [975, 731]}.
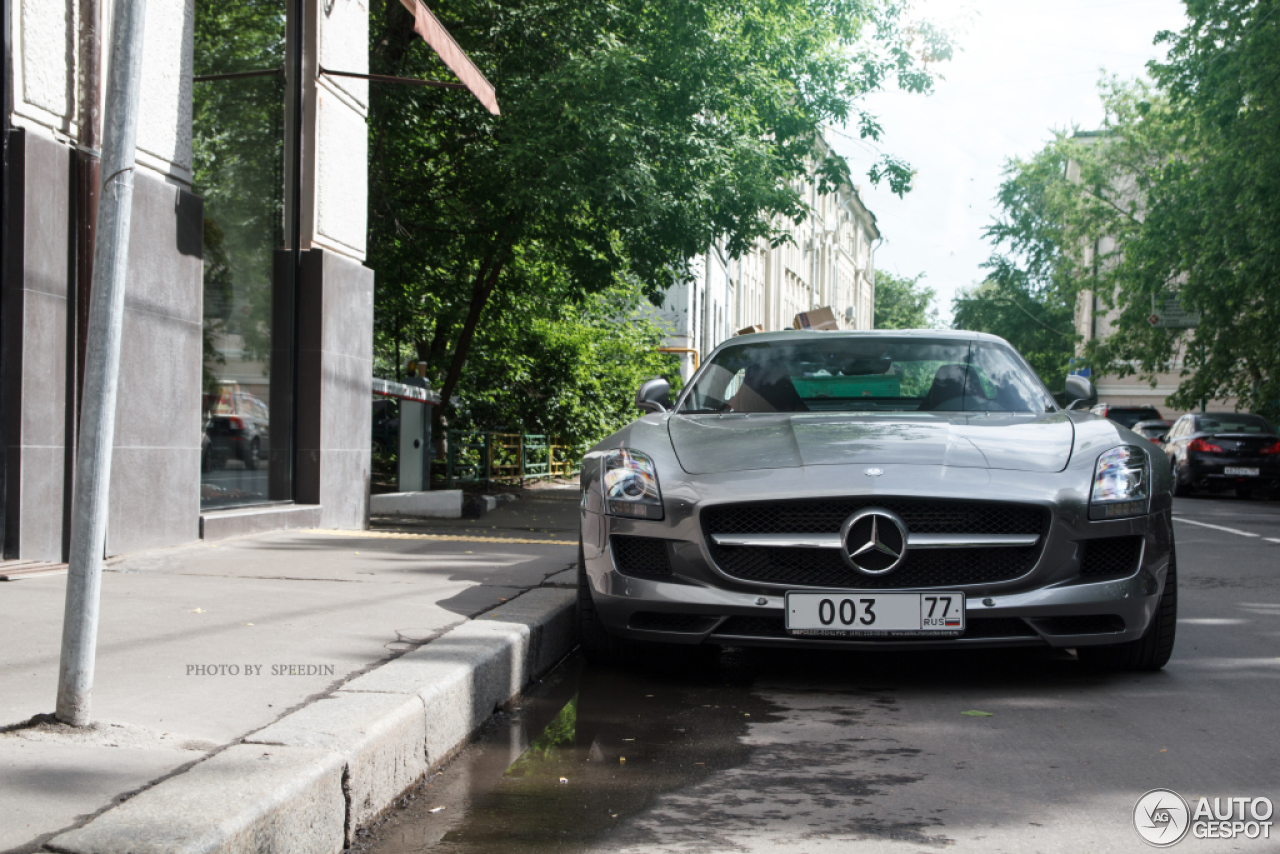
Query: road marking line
{"type": "Point", "coordinates": [1271, 539]}
{"type": "Point", "coordinates": [453, 538]}
{"type": "Point", "coordinates": [1217, 527]}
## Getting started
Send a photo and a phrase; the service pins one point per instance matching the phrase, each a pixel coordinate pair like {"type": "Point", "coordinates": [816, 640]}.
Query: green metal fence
{"type": "Point", "coordinates": [486, 457]}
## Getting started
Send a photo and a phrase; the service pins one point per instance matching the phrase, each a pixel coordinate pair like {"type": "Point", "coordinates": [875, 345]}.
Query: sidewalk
{"type": "Point", "coordinates": [200, 646]}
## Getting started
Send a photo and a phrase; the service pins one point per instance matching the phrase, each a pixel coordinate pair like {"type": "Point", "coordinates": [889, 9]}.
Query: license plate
{"type": "Point", "coordinates": [1239, 471]}
{"type": "Point", "coordinates": [875, 614]}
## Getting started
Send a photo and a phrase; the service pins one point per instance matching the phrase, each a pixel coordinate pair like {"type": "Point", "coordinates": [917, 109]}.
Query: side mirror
{"type": "Point", "coordinates": [1161, 439]}
{"type": "Point", "coordinates": [654, 395]}
{"type": "Point", "coordinates": [1080, 393]}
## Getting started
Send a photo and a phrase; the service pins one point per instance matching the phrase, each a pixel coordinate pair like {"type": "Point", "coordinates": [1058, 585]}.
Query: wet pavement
{"type": "Point", "coordinates": [758, 750]}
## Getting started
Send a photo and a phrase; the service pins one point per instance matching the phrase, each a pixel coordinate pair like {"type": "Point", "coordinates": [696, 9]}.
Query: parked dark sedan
{"type": "Point", "coordinates": [1217, 451]}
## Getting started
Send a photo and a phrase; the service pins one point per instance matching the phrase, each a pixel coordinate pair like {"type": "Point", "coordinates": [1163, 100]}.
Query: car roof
{"type": "Point", "coordinates": [800, 334]}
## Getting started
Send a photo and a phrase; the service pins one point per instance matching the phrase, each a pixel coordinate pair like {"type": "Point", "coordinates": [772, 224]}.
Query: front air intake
{"type": "Point", "coordinates": [644, 557]}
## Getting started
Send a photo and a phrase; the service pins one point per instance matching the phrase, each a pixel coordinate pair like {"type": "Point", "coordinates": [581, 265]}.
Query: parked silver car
{"type": "Point", "coordinates": [876, 490]}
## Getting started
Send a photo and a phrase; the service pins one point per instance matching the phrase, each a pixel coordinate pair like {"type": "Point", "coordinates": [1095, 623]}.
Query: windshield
{"type": "Point", "coordinates": [844, 374]}
{"type": "Point", "coordinates": [1232, 424]}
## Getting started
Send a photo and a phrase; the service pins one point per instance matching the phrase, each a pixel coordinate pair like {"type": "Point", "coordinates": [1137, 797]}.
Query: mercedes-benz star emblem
{"type": "Point", "coordinates": [874, 541]}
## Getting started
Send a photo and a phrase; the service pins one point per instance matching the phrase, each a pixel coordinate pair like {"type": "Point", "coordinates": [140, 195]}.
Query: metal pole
{"type": "Point", "coordinates": [102, 366]}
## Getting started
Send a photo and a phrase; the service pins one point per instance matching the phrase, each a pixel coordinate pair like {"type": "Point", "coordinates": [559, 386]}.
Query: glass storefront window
{"type": "Point", "coordinates": [239, 136]}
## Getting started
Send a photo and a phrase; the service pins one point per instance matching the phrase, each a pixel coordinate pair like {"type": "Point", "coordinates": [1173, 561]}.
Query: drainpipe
{"type": "Point", "coordinates": [102, 367]}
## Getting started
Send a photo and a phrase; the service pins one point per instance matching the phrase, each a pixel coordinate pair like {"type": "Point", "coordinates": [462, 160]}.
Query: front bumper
{"type": "Point", "coordinates": [622, 602]}
{"type": "Point", "coordinates": [1053, 604]}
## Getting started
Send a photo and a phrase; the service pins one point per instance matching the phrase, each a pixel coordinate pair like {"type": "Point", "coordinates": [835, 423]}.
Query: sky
{"type": "Point", "coordinates": [1022, 68]}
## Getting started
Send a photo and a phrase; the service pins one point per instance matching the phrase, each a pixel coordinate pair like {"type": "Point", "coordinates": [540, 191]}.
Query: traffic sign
{"type": "Point", "coordinates": [1171, 315]}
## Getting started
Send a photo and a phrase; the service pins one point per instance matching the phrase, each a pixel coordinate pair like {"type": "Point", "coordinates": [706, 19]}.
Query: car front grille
{"type": "Point", "coordinates": [1110, 556]}
{"type": "Point", "coordinates": [812, 567]}
{"type": "Point", "coordinates": [921, 516]}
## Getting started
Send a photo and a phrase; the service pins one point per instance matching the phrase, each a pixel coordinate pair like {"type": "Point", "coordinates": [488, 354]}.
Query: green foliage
{"type": "Point", "coordinates": [902, 302]}
{"type": "Point", "coordinates": [633, 134]}
{"type": "Point", "coordinates": [1040, 329]}
{"type": "Point", "coordinates": [1179, 194]}
{"type": "Point", "coordinates": [568, 370]}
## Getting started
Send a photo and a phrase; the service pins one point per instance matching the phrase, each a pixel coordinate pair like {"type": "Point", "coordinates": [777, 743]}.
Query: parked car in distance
{"type": "Point", "coordinates": [1153, 429]}
{"type": "Point", "coordinates": [1127, 416]}
{"type": "Point", "coordinates": [237, 426]}
{"type": "Point", "coordinates": [1218, 451]}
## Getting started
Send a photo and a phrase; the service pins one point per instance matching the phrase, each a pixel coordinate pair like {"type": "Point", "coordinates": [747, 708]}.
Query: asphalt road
{"type": "Point", "coordinates": [785, 752]}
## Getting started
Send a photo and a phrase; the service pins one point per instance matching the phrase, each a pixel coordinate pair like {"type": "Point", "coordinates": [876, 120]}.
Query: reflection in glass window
{"type": "Point", "coordinates": [238, 148]}
{"type": "Point", "coordinates": [851, 373]}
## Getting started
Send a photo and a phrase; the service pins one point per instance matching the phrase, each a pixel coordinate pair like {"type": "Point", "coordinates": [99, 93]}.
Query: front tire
{"type": "Point", "coordinates": [1152, 650]}
{"type": "Point", "coordinates": [597, 645]}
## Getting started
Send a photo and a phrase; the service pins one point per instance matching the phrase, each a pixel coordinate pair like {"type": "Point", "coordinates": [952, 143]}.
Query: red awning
{"type": "Point", "coordinates": [434, 34]}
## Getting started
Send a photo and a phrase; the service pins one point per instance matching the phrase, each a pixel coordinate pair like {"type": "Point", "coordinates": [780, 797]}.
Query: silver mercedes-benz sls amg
{"type": "Point", "coordinates": [876, 490]}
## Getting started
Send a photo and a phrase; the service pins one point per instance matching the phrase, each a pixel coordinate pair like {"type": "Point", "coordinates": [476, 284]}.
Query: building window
{"type": "Point", "coordinates": [239, 139]}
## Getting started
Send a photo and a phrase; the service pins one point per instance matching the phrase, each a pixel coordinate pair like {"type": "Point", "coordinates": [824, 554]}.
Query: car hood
{"type": "Point", "coordinates": [710, 444]}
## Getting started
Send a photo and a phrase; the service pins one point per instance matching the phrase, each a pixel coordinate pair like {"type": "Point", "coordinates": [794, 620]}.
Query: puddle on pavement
{"type": "Point", "coordinates": [582, 752]}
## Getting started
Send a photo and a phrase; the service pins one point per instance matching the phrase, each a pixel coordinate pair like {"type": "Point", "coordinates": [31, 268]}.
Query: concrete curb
{"type": "Point", "coordinates": [306, 782]}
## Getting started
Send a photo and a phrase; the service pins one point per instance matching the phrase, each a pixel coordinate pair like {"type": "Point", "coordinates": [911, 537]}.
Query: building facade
{"type": "Point", "coordinates": [246, 367]}
{"type": "Point", "coordinates": [828, 262]}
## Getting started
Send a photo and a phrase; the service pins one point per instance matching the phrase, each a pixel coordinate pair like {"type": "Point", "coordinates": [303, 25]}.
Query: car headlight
{"type": "Point", "coordinates": [1121, 484]}
{"type": "Point", "coordinates": [631, 485]}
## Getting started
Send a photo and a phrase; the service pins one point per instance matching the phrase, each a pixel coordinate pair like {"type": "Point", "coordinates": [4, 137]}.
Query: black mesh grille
{"type": "Point", "coordinates": [978, 627]}
{"type": "Point", "coordinates": [1089, 624]}
{"type": "Point", "coordinates": [1110, 556]}
{"type": "Point", "coordinates": [640, 555]}
{"type": "Point", "coordinates": [921, 516]}
{"type": "Point", "coordinates": [671, 622]}
{"type": "Point", "coordinates": [921, 568]}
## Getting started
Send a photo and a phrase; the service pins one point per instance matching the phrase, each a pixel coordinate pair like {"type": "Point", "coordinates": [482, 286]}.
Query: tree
{"type": "Point", "coordinates": [1210, 231]}
{"type": "Point", "coordinates": [1040, 329]}
{"type": "Point", "coordinates": [572, 374]}
{"type": "Point", "coordinates": [902, 302]}
{"type": "Point", "coordinates": [633, 133]}
{"type": "Point", "coordinates": [1177, 195]}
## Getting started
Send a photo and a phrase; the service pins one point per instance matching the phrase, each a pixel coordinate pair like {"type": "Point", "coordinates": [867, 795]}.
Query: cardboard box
{"type": "Point", "coordinates": [819, 318]}
{"type": "Point", "coordinates": [750, 330]}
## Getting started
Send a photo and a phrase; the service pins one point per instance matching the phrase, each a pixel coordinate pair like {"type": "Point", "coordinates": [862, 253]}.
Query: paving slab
{"type": "Point", "coordinates": [249, 798]}
{"type": "Point", "coordinates": [46, 786]}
